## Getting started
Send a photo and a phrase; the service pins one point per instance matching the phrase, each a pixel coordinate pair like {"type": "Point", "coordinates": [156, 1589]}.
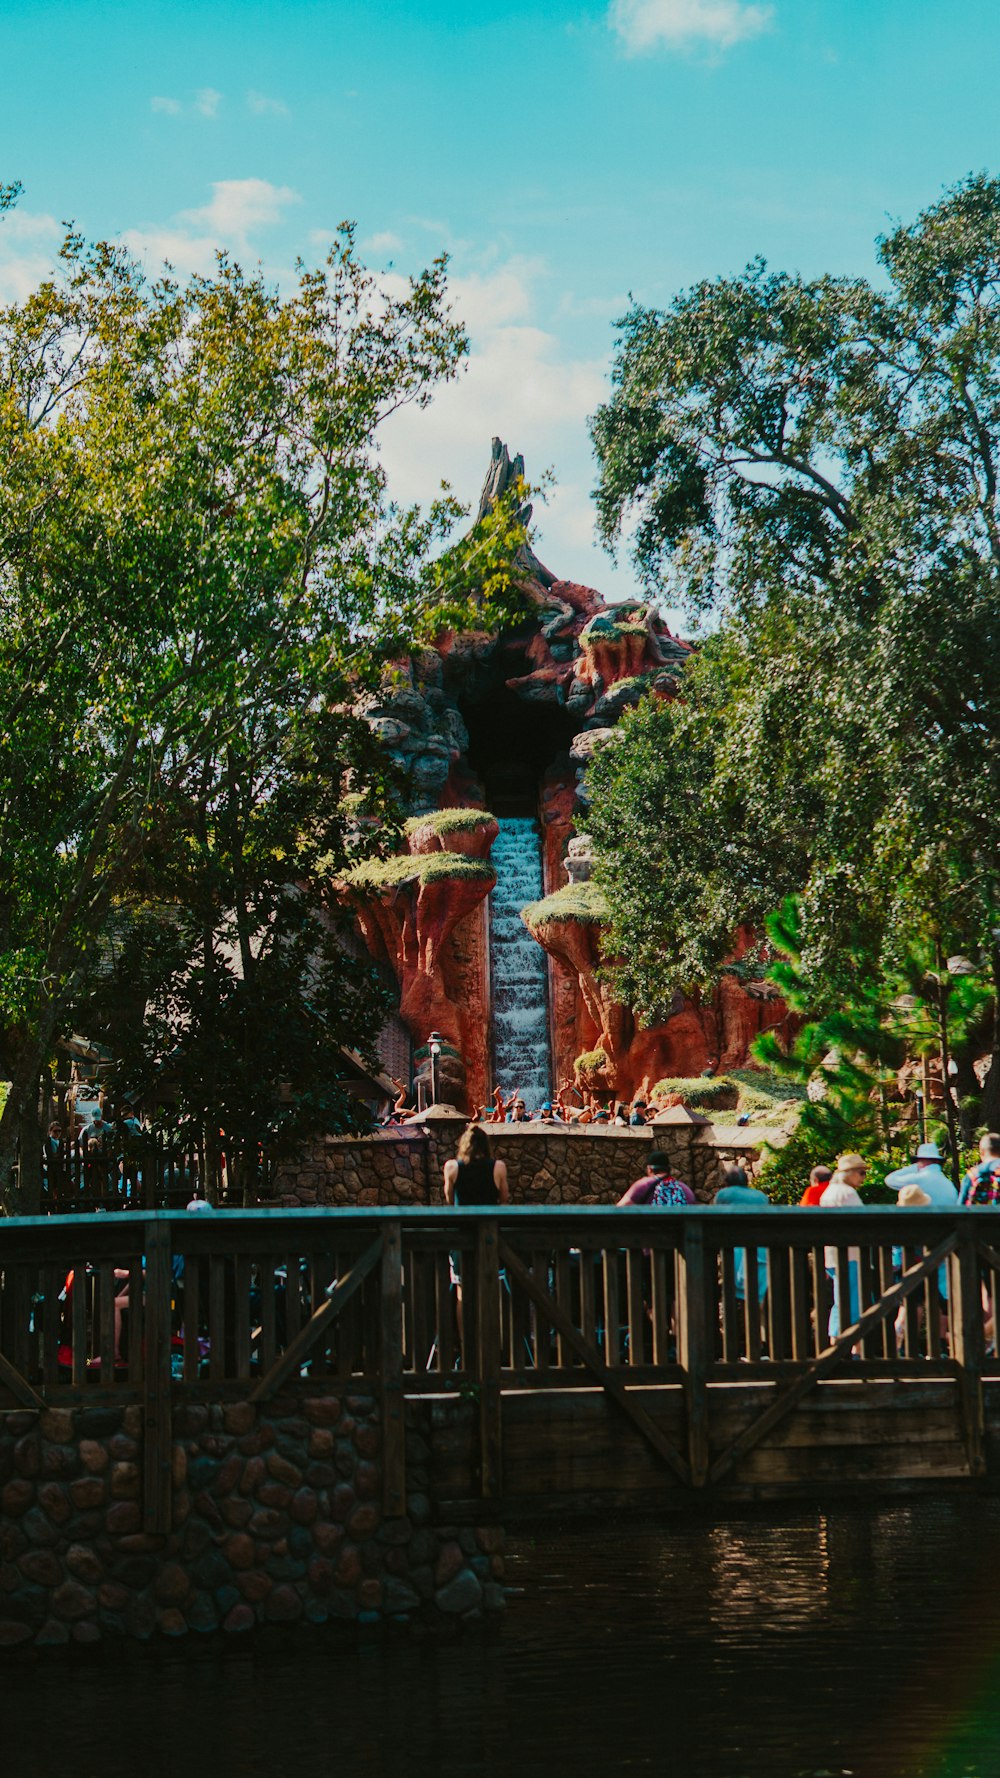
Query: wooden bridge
{"type": "Point", "coordinates": [586, 1359]}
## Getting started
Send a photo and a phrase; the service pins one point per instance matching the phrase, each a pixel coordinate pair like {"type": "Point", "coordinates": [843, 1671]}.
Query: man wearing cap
{"type": "Point", "coordinates": [926, 1171]}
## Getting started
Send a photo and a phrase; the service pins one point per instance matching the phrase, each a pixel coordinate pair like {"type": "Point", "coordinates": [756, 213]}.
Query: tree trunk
{"type": "Point", "coordinates": [21, 1134]}
{"type": "Point", "coordinates": [990, 1102]}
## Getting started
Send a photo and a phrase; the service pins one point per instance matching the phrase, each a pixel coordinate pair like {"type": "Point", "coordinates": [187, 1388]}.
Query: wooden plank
{"type": "Point", "coordinates": [800, 1301]}
{"type": "Point", "coordinates": [594, 1363]}
{"type": "Point", "coordinates": [268, 1287]}
{"type": "Point", "coordinates": [541, 1332]}
{"type": "Point", "coordinates": [564, 1297]}
{"type": "Point", "coordinates": [106, 1310]}
{"type": "Point", "coordinates": [391, 1373]}
{"type": "Point", "coordinates": [78, 1322]}
{"type": "Point", "coordinates": [751, 1304]}
{"type": "Point", "coordinates": [157, 1449]}
{"type": "Point", "coordinates": [779, 1311]}
{"type": "Point", "coordinates": [636, 1307]}
{"type": "Point", "coordinates": [136, 1323]}
{"type": "Point", "coordinates": [731, 1319]}
{"type": "Point", "coordinates": [339, 1294]}
{"type": "Point", "coordinates": [789, 1398]}
{"type": "Point", "coordinates": [50, 1325]}
{"type": "Point", "coordinates": [241, 1316]}
{"type": "Point", "coordinates": [192, 1310]}
{"type": "Point", "coordinates": [488, 1354]}
{"type": "Point", "coordinates": [612, 1307]}
{"type": "Point", "coordinates": [217, 1318]}
{"type": "Point", "coordinates": [968, 1345]}
{"type": "Point", "coordinates": [660, 1307]}
{"type": "Point", "coordinates": [696, 1347]}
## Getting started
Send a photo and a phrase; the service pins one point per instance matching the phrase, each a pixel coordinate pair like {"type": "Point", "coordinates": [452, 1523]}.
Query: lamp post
{"type": "Point", "coordinates": [434, 1047]}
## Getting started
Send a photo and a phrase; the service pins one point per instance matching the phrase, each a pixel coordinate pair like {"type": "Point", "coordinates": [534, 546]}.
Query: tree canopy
{"type": "Point", "coordinates": [199, 564]}
{"type": "Point", "coordinates": [811, 466]}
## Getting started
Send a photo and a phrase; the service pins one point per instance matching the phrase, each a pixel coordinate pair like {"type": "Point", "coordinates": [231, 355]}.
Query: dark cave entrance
{"type": "Point", "coordinates": [512, 744]}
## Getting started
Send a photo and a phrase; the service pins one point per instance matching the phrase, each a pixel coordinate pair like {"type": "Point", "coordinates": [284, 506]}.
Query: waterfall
{"type": "Point", "coordinates": [521, 1060]}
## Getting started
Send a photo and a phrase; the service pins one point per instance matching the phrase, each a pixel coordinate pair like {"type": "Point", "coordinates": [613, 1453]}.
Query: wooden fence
{"type": "Point", "coordinates": [489, 1308]}
{"type": "Point", "coordinates": [149, 1171]}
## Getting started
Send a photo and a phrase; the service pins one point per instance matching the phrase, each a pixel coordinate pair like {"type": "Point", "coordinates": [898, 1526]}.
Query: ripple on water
{"type": "Point", "coordinates": [856, 1640]}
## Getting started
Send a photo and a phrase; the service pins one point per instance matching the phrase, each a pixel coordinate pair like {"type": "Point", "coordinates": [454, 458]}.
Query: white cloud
{"type": "Point", "coordinates": [261, 106]}
{"type": "Point", "coordinates": [187, 253]}
{"type": "Point", "coordinates": [520, 385]}
{"type": "Point", "coordinates": [239, 205]}
{"type": "Point", "coordinates": [645, 25]}
{"type": "Point", "coordinates": [28, 244]}
{"type": "Point", "coordinates": [207, 101]}
{"type": "Point", "coordinates": [169, 107]}
{"type": "Point", "coordinates": [385, 242]}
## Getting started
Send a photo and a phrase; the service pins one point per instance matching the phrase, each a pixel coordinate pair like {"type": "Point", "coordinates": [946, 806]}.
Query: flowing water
{"type": "Point", "coordinates": [518, 967]}
{"type": "Point", "coordinates": [799, 1644]}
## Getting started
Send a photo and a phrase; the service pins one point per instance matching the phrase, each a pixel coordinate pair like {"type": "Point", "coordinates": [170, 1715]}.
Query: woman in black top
{"type": "Point", "coordinates": [474, 1177]}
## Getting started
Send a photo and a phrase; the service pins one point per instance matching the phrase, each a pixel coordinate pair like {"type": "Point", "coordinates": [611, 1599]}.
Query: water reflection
{"type": "Point", "coordinates": [849, 1641]}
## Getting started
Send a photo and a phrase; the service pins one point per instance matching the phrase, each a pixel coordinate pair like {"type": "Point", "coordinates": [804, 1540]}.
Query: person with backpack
{"type": "Point", "coordinates": [981, 1184]}
{"type": "Point", "coordinates": [658, 1187]}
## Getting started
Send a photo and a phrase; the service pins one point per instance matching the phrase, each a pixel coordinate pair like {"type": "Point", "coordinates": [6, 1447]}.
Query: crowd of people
{"type": "Point", "coordinates": [475, 1177]}
{"type": "Point", "coordinates": [571, 1105]}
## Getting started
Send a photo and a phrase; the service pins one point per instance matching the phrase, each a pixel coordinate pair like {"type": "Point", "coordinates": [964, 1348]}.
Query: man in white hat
{"type": "Point", "coordinates": [926, 1171]}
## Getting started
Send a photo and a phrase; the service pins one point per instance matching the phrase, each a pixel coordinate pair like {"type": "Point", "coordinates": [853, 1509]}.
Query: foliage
{"type": "Point", "coordinates": [813, 467]}
{"type": "Point", "coordinates": [445, 821]}
{"type": "Point", "coordinates": [197, 554]}
{"type": "Point", "coordinates": [574, 901]}
{"type": "Point", "coordinates": [591, 1061]}
{"type": "Point", "coordinates": [417, 868]}
{"type": "Point", "coordinates": [702, 1092]}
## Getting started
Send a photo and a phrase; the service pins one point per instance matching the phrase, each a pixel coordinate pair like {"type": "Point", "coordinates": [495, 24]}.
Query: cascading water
{"type": "Point", "coordinates": [521, 1058]}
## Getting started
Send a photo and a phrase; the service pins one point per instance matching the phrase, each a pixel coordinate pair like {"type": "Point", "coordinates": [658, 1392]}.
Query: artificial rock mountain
{"type": "Point", "coordinates": [490, 725]}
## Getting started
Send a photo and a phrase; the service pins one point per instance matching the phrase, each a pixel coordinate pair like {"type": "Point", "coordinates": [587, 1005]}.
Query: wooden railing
{"type": "Point", "coordinates": [410, 1302]}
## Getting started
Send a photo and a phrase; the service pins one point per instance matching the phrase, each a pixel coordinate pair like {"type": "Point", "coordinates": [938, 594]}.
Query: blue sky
{"type": "Point", "coordinates": [564, 155]}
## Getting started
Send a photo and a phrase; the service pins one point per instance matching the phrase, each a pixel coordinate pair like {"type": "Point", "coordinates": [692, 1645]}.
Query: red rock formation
{"type": "Point", "coordinates": [717, 1031]}
{"type": "Point", "coordinates": [430, 928]}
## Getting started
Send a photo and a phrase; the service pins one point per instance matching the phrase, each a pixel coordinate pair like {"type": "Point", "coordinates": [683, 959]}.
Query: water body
{"type": "Point", "coordinates": [803, 1644]}
{"type": "Point", "coordinates": [521, 1059]}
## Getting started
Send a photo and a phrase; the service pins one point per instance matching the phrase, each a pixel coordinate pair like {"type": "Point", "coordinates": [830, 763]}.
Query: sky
{"type": "Point", "coordinates": [567, 157]}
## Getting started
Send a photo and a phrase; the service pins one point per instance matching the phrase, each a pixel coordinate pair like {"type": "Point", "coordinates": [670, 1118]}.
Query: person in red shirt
{"type": "Point", "coordinates": [819, 1179]}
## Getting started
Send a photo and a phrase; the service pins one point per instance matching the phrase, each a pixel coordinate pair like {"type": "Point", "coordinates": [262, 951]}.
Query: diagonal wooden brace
{"type": "Point", "coordinates": [595, 1364]}
{"type": "Point", "coordinates": [340, 1293]}
{"type": "Point", "coordinates": [828, 1360]}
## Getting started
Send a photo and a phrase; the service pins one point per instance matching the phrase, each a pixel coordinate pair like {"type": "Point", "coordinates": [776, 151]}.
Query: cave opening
{"type": "Point", "coordinates": [512, 744]}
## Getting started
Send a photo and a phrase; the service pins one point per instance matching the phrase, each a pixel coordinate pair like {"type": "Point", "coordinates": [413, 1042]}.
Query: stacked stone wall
{"type": "Point", "coordinates": [276, 1519]}
{"type": "Point", "coordinates": [545, 1165]}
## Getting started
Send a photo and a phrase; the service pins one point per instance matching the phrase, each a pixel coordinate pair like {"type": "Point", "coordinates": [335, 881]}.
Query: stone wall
{"type": "Point", "coordinates": [276, 1519]}
{"type": "Point", "coordinates": [545, 1164]}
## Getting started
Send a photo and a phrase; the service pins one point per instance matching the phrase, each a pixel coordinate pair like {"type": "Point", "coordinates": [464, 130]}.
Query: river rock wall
{"type": "Point", "coordinates": [545, 1164]}
{"type": "Point", "coordinates": [276, 1520]}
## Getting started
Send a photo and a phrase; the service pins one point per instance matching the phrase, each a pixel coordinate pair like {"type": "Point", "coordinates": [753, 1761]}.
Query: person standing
{"type": "Point", "coordinates": [473, 1176]}
{"type": "Point", "coordinates": [658, 1186]}
{"type": "Point", "coordinates": [819, 1179]}
{"type": "Point", "coordinates": [927, 1172]}
{"type": "Point", "coordinates": [981, 1184]}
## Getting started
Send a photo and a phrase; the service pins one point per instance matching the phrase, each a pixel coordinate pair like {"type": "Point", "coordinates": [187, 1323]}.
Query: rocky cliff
{"type": "Point", "coordinates": [506, 724]}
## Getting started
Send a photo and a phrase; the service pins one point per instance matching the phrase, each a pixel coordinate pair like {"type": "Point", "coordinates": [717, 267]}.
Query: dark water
{"type": "Point", "coordinates": [856, 1641]}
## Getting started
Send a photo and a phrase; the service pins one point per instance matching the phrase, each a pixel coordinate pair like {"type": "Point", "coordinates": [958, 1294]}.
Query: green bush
{"type": "Point", "coordinates": [445, 821]}
{"type": "Point", "coordinates": [575, 901]}
{"type": "Point", "coordinates": [703, 1093]}
{"type": "Point", "coordinates": [426, 867]}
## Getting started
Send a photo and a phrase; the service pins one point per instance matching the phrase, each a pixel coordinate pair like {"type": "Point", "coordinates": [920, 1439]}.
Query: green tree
{"type": "Point", "coordinates": [812, 466]}
{"type": "Point", "coordinates": [197, 547]}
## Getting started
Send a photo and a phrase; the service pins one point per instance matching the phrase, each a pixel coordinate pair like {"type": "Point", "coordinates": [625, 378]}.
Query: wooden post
{"type": "Point", "coordinates": [694, 1342]}
{"type": "Point", "coordinates": [488, 1354]}
{"type": "Point", "coordinates": [966, 1314]}
{"type": "Point", "coordinates": [157, 1426]}
{"type": "Point", "coordinates": [392, 1403]}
